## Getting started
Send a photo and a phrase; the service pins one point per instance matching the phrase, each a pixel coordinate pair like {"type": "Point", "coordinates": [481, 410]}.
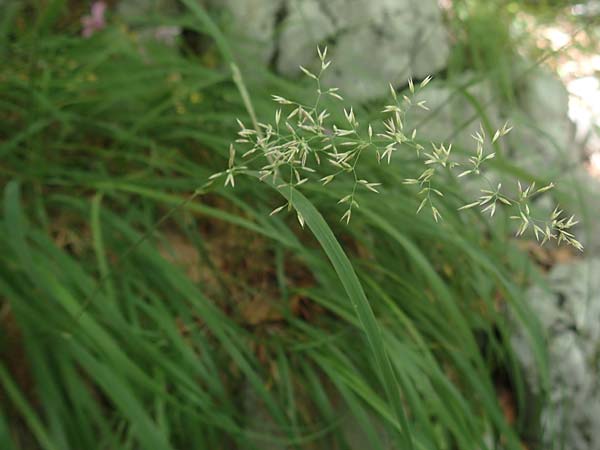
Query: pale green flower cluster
{"type": "Point", "coordinates": [302, 136]}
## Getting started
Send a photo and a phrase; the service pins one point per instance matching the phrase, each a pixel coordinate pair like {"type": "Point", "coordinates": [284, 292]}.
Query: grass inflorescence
{"type": "Point", "coordinates": [145, 306]}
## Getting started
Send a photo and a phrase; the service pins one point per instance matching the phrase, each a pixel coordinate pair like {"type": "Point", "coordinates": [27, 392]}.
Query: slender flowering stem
{"type": "Point", "coordinates": [304, 139]}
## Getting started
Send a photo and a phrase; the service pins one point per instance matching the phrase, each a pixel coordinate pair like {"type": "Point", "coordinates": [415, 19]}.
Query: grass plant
{"type": "Point", "coordinates": [142, 308]}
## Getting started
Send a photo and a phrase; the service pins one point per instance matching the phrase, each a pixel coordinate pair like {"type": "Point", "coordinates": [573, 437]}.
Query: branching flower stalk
{"type": "Point", "coordinates": [302, 137]}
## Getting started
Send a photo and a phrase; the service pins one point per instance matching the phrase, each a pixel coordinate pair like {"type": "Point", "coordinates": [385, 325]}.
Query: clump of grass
{"type": "Point", "coordinates": [401, 330]}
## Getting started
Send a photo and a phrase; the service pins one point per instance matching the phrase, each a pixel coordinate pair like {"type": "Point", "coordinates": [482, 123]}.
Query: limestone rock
{"type": "Point", "coordinates": [371, 43]}
{"type": "Point", "coordinates": [570, 315]}
{"type": "Point", "coordinates": [544, 135]}
{"type": "Point", "coordinates": [252, 25]}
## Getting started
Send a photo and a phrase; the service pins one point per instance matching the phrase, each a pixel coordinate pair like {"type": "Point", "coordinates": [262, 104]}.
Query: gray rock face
{"type": "Point", "coordinates": [544, 136]}
{"type": "Point", "coordinates": [252, 25]}
{"type": "Point", "coordinates": [371, 43]}
{"type": "Point", "coordinates": [570, 314]}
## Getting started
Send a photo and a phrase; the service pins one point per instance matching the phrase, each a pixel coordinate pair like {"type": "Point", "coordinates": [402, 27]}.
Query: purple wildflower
{"type": "Point", "coordinates": [95, 21]}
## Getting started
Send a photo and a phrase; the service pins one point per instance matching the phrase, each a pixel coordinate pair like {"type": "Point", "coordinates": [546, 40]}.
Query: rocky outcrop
{"type": "Point", "coordinates": [569, 312]}
{"type": "Point", "coordinates": [372, 43]}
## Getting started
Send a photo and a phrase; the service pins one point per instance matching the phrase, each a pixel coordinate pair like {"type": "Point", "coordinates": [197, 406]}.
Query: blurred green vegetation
{"type": "Point", "coordinates": [139, 313]}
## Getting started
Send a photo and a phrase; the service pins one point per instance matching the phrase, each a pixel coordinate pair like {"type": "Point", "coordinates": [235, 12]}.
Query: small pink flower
{"type": "Point", "coordinates": [95, 21]}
